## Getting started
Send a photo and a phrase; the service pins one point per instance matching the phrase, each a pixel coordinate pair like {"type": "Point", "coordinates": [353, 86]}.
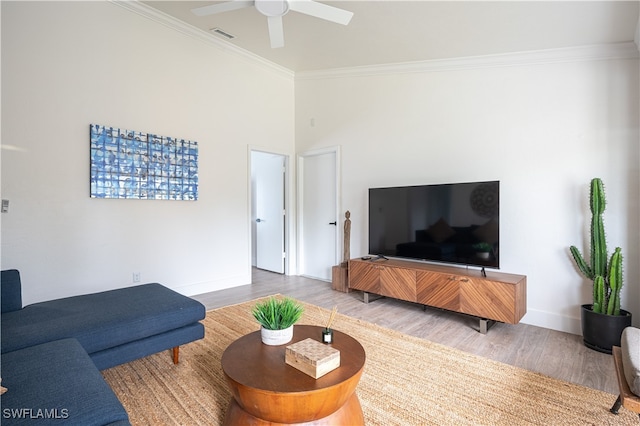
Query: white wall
{"type": "Point", "coordinates": [543, 130]}
{"type": "Point", "coordinates": [68, 64]}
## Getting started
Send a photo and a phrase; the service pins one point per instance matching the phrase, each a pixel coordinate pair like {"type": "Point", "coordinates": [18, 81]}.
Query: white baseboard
{"type": "Point", "coordinates": [553, 321]}
{"type": "Point", "coordinates": [215, 285]}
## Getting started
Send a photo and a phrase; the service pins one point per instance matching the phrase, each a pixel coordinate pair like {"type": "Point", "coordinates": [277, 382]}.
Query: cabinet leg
{"type": "Point", "coordinates": [485, 325]}
{"type": "Point", "coordinates": [368, 297]}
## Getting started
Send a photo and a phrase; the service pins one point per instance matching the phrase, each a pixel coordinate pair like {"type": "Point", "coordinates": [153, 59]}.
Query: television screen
{"type": "Point", "coordinates": [452, 223]}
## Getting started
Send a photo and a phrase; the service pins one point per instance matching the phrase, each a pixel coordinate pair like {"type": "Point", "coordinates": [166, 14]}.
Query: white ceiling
{"type": "Point", "coordinates": [390, 32]}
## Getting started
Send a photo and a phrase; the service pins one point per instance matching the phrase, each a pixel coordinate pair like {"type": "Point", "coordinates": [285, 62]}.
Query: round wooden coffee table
{"type": "Point", "coordinates": [266, 390]}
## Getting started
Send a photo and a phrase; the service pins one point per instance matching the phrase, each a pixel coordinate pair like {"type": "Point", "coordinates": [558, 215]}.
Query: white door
{"type": "Point", "coordinates": [267, 176]}
{"type": "Point", "coordinates": [319, 213]}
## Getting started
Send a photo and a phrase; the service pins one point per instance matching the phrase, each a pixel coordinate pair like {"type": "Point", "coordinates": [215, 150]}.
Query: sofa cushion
{"type": "Point", "coordinates": [630, 348]}
{"type": "Point", "coordinates": [11, 291]}
{"type": "Point", "coordinates": [57, 383]}
{"type": "Point", "coordinates": [101, 320]}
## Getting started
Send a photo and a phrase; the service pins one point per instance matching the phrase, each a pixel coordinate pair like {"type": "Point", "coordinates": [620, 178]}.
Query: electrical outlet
{"type": "Point", "coordinates": [136, 277]}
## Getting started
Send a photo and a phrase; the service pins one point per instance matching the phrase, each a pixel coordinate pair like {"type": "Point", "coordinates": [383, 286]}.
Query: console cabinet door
{"type": "Point", "coordinates": [489, 299]}
{"type": "Point", "coordinates": [439, 290]}
{"type": "Point", "coordinates": [399, 283]}
{"type": "Point", "coordinates": [364, 276]}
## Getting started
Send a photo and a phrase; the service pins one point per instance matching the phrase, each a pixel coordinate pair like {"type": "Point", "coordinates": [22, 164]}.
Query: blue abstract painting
{"type": "Point", "coordinates": [144, 166]}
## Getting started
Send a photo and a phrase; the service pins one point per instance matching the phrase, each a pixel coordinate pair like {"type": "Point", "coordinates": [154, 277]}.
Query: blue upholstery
{"type": "Point", "coordinates": [11, 296]}
{"type": "Point", "coordinates": [140, 348]}
{"type": "Point", "coordinates": [102, 320]}
{"type": "Point", "coordinates": [52, 351]}
{"type": "Point", "coordinates": [57, 379]}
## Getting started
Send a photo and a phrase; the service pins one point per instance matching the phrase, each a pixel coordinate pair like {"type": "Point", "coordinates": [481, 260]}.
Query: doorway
{"type": "Point", "coordinates": [268, 211]}
{"type": "Point", "coordinates": [318, 247]}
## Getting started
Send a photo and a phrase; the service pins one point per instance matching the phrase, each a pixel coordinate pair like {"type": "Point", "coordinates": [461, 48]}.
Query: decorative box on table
{"type": "Point", "coordinates": [312, 357]}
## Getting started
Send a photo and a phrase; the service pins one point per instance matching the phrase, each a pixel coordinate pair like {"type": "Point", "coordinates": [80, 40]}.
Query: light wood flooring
{"type": "Point", "coordinates": [553, 353]}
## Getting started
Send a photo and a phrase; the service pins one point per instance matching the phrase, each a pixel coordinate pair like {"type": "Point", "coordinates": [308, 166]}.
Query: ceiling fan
{"type": "Point", "coordinates": [274, 10]}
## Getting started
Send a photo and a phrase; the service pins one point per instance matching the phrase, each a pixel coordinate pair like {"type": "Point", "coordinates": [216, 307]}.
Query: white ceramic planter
{"type": "Point", "coordinates": [276, 337]}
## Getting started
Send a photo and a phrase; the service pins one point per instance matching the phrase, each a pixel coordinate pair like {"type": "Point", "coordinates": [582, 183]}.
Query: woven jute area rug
{"type": "Point", "coordinates": [406, 381]}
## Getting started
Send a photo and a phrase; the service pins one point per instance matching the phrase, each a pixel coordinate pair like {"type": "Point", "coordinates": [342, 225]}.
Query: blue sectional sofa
{"type": "Point", "coordinates": [52, 351]}
{"type": "Point", "coordinates": [57, 383]}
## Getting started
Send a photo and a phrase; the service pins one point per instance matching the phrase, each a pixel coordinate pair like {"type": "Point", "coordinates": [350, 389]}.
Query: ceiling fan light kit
{"type": "Point", "coordinates": [274, 10]}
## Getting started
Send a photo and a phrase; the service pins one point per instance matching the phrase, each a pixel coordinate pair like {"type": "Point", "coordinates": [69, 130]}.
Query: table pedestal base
{"type": "Point", "coordinates": [349, 414]}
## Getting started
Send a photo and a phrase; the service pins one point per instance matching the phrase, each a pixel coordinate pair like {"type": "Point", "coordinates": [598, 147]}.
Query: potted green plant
{"type": "Point", "coordinates": [602, 320]}
{"type": "Point", "coordinates": [482, 249]}
{"type": "Point", "coordinates": [276, 318]}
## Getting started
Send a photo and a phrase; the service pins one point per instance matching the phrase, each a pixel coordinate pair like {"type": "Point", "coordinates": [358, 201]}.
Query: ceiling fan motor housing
{"type": "Point", "coordinates": [272, 7]}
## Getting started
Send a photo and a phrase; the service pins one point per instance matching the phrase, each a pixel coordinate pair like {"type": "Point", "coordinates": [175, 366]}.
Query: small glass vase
{"type": "Point", "coordinates": [327, 336]}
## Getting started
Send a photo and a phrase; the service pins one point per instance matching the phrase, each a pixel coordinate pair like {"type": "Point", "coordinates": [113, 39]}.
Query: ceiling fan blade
{"type": "Point", "coordinates": [221, 7]}
{"type": "Point", "coordinates": [322, 11]}
{"type": "Point", "coordinates": [276, 32]}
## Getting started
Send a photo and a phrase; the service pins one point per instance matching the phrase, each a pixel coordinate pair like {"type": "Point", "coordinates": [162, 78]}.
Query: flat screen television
{"type": "Point", "coordinates": [451, 223]}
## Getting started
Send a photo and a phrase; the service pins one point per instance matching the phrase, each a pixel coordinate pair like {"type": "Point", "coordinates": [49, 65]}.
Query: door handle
{"type": "Point", "coordinates": [333, 223]}
{"type": "Point", "coordinates": [260, 220]}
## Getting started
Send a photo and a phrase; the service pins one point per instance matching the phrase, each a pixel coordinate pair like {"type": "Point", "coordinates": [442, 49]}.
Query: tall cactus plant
{"type": "Point", "coordinates": [606, 276]}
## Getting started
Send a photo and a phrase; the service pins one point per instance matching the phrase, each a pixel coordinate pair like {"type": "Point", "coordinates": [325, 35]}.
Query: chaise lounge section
{"type": "Point", "coordinates": [110, 328]}
{"type": "Point", "coordinates": [114, 326]}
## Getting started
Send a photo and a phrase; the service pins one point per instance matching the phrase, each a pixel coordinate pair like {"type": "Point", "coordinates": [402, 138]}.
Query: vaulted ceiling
{"type": "Point", "coordinates": [391, 32]}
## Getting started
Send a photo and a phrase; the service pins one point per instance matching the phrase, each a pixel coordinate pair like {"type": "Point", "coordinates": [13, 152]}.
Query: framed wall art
{"type": "Point", "coordinates": [144, 166]}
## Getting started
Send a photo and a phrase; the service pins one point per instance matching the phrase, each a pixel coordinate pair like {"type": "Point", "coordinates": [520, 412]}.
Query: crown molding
{"type": "Point", "coordinates": [627, 50]}
{"type": "Point", "coordinates": [155, 15]}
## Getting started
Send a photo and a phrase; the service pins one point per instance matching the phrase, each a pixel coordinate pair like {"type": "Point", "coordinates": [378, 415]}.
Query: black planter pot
{"type": "Point", "coordinates": [601, 332]}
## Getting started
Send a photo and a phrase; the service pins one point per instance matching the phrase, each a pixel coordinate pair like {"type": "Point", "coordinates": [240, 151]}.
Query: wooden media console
{"type": "Point", "coordinates": [495, 297]}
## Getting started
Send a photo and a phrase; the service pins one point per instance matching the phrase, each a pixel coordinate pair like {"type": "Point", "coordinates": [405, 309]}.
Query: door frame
{"type": "Point", "coordinates": [300, 197]}
{"type": "Point", "coordinates": [287, 205]}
